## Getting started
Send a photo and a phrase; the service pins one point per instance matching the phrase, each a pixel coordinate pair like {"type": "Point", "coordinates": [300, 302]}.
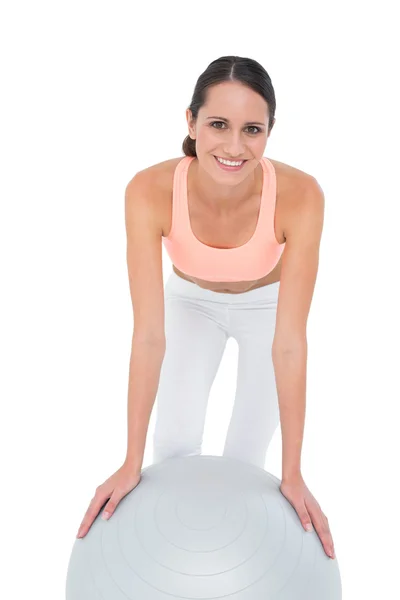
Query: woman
{"type": "Point", "coordinates": [241, 230]}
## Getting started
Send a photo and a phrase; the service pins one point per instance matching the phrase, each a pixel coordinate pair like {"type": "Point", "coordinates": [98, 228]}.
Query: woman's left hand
{"type": "Point", "coordinates": [308, 510]}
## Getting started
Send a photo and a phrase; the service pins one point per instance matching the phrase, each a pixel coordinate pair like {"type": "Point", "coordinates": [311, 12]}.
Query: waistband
{"type": "Point", "coordinates": [192, 290]}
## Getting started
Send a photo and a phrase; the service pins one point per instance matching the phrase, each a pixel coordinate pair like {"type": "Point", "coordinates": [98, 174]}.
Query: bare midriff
{"type": "Point", "coordinates": [234, 287]}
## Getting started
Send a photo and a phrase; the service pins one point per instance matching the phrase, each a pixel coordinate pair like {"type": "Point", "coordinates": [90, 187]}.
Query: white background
{"type": "Point", "coordinates": [94, 92]}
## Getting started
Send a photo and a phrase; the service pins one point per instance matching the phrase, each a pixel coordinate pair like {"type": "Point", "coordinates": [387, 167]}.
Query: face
{"type": "Point", "coordinates": [233, 124]}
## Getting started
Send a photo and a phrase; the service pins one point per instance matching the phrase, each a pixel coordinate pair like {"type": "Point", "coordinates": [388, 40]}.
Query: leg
{"type": "Point", "coordinates": [255, 414]}
{"type": "Point", "coordinates": [195, 342]}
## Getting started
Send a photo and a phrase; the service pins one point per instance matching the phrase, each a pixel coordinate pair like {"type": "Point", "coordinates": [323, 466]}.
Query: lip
{"type": "Point", "coordinates": [225, 167]}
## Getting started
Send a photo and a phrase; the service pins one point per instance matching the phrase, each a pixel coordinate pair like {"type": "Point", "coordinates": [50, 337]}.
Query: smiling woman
{"type": "Point", "coordinates": [243, 234]}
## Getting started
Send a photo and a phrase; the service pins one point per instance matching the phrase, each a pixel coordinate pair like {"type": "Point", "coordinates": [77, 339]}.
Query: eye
{"type": "Point", "coordinates": [213, 123]}
{"type": "Point", "coordinates": [222, 123]}
{"type": "Point", "coordinates": [255, 127]}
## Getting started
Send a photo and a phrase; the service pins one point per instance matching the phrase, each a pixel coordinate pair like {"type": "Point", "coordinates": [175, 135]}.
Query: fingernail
{"type": "Point", "coordinates": [308, 527]}
{"type": "Point", "coordinates": [106, 515]}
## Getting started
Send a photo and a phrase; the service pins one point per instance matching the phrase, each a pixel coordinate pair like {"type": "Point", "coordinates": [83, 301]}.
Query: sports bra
{"type": "Point", "coordinates": [248, 262]}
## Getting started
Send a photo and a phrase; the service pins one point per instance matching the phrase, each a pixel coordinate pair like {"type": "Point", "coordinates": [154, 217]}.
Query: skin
{"type": "Point", "coordinates": [223, 211]}
{"type": "Point", "coordinates": [231, 227]}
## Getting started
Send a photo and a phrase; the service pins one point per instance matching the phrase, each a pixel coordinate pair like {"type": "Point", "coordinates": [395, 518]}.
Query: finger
{"type": "Point", "coordinates": [90, 516]}
{"type": "Point", "coordinates": [331, 544]}
{"type": "Point", "coordinates": [304, 516]}
{"type": "Point", "coordinates": [322, 528]}
{"type": "Point", "coordinates": [112, 504]}
{"type": "Point", "coordinates": [94, 507]}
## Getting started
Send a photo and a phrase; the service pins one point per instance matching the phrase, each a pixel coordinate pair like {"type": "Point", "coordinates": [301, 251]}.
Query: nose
{"type": "Point", "coordinates": [234, 146]}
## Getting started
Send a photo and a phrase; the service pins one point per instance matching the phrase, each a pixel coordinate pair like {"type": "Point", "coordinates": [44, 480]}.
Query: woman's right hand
{"type": "Point", "coordinates": [114, 488]}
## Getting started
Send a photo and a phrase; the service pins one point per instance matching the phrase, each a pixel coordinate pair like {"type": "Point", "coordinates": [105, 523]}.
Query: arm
{"type": "Point", "coordinates": [289, 352]}
{"type": "Point", "coordinates": [144, 261]}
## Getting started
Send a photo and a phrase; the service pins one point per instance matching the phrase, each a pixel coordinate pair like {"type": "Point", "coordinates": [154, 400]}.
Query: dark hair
{"type": "Point", "coordinates": [231, 68]}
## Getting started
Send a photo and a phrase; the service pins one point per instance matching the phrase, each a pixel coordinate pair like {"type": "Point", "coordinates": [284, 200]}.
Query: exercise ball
{"type": "Point", "coordinates": [202, 527]}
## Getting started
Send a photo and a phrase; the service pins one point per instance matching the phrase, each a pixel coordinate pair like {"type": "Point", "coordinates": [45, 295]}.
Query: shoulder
{"type": "Point", "coordinates": [159, 177]}
{"type": "Point", "coordinates": [301, 198]}
{"type": "Point", "coordinates": [151, 188]}
{"type": "Point", "coordinates": [292, 181]}
{"type": "Point", "coordinates": [156, 181]}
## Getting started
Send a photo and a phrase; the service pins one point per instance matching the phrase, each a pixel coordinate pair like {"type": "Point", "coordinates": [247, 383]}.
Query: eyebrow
{"type": "Point", "coordinates": [248, 122]}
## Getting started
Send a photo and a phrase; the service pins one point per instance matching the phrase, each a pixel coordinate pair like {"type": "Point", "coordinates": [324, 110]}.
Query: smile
{"type": "Point", "coordinates": [228, 165]}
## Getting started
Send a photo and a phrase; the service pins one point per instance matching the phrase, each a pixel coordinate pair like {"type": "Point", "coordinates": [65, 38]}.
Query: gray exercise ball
{"type": "Point", "coordinates": [202, 527]}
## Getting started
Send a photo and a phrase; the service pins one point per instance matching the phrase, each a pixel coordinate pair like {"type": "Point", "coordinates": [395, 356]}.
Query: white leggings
{"type": "Point", "coordinates": [198, 323]}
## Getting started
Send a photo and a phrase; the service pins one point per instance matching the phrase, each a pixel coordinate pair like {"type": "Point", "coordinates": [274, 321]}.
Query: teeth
{"type": "Point", "coordinates": [229, 163]}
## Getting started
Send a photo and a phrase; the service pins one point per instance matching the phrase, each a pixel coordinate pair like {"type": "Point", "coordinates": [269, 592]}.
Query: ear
{"type": "Point", "coordinates": [273, 123]}
{"type": "Point", "coordinates": [190, 122]}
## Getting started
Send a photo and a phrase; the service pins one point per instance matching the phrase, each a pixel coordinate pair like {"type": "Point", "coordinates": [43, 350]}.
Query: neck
{"type": "Point", "coordinates": [218, 197]}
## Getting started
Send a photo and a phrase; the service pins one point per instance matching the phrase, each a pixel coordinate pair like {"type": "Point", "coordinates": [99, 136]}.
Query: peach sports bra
{"type": "Point", "coordinates": [248, 262]}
